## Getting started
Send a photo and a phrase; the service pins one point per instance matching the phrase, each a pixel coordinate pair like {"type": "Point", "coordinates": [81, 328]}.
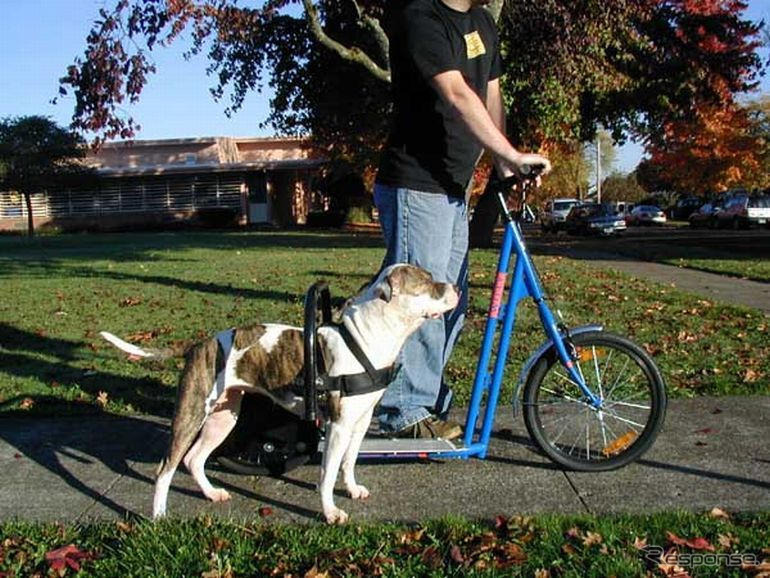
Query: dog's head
{"type": "Point", "coordinates": [414, 291]}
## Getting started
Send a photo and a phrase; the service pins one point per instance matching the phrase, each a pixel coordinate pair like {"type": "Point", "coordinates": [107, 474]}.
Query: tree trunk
{"type": "Point", "coordinates": [485, 217]}
{"type": "Point", "coordinates": [30, 220]}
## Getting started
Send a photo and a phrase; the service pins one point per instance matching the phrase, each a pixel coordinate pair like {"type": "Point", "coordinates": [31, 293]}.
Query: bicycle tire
{"type": "Point", "coordinates": [547, 387]}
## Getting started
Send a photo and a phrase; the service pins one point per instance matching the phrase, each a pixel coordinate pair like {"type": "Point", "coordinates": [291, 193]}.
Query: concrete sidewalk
{"type": "Point", "coordinates": [722, 288]}
{"type": "Point", "coordinates": [711, 452]}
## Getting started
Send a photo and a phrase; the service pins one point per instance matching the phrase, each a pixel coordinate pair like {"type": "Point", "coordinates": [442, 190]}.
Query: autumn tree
{"type": "Point", "coordinates": [714, 151]}
{"type": "Point", "coordinates": [620, 187]}
{"type": "Point", "coordinates": [35, 155]}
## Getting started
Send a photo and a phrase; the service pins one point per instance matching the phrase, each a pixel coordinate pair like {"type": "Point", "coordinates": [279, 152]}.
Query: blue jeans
{"type": "Point", "coordinates": [429, 230]}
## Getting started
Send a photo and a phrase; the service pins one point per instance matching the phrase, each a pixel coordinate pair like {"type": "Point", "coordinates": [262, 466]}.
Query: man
{"type": "Point", "coordinates": [445, 65]}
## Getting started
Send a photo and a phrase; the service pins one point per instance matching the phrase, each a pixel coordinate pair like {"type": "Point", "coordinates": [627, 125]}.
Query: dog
{"type": "Point", "coordinates": [268, 358]}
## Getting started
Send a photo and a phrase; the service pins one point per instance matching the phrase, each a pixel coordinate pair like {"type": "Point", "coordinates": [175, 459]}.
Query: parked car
{"type": "Point", "coordinates": [684, 207]}
{"type": "Point", "coordinates": [594, 219]}
{"type": "Point", "coordinates": [741, 212]}
{"type": "Point", "coordinates": [646, 215]}
{"type": "Point", "coordinates": [556, 211]}
{"type": "Point", "coordinates": [705, 216]}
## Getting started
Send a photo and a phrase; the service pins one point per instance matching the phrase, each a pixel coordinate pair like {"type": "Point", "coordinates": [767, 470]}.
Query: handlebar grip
{"type": "Point", "coordinates": [531, 171]}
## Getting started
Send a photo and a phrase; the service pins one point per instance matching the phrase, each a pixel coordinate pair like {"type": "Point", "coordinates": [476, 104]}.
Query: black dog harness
{"type": "Point", "coordinates": [359, 383]}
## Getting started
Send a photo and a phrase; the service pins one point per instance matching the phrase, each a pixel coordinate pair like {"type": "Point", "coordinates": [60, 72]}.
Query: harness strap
{"type": "Point", "coordinates": [356, 350]}
{"type": "Point", "coordinates": [371, 380]}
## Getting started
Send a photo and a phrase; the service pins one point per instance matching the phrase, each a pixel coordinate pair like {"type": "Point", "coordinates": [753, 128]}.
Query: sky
{"type": "Point", "coordinates": [40, 38]}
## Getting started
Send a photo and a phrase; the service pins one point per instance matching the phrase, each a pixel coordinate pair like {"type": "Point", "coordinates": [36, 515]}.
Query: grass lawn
{"type": "Point", "coordinates": [709, 544]}
{"type": "Point", "coordinates": [161, 288]}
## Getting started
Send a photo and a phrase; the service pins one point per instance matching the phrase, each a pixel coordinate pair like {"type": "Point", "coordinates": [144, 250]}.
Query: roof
{"type": "Point", "coordinates": [209, 168]}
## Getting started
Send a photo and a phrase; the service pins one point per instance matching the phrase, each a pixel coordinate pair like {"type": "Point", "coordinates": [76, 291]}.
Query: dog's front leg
{"type": "Point", "coordinates": [338, 436]}
{"type": "Point", "coordinates": [215, 429]}
{"type": "Point", "coordinates": [362, 405]}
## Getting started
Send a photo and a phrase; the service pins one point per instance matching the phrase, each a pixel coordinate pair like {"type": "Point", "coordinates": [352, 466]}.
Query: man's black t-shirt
{"type": "Point", "coordinates": [429, 147]}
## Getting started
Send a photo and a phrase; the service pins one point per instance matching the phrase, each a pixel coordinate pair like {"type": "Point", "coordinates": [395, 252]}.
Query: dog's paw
{"type": "Point", "coordinates": [218, 495]}
{"type": "Point", "coordinates": [336, 516]}
{"type": "Point", "coordinates": [358, 492]}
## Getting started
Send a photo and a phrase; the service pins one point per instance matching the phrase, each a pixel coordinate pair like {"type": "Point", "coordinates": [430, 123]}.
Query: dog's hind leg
{"type": "Point", "coordinates": [217, 427]}
{"type": "Point", "coordinates": [189, 415]}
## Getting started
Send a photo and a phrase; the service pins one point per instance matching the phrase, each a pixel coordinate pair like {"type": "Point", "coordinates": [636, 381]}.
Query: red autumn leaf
{"type": "Point", "coordinates": [265, 511]}
{"type": "Point", "coordinates": [69, 555]}
{"type": "Point", "coordinates": [674, 539]}
{"type": "Point", "coordinates": [705, 430]}
{"type": "Point", "coordinates": [694, 543]}
{"type": "Point", "coordinates": [456, 554]}
{"type": "Point", "coordinates": [700, 544]}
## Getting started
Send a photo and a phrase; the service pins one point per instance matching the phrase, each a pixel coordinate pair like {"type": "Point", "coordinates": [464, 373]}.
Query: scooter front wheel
{"type": "Point", "coordinates": [574, 433]}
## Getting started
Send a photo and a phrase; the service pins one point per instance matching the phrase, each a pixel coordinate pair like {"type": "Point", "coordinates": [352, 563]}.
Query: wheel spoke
{"type": "Point", "coordinates": [575, 433]}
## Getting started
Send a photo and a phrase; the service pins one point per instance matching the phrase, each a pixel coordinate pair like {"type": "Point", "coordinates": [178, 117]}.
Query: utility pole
{"type": "Point", "coordinates": [598, 168]}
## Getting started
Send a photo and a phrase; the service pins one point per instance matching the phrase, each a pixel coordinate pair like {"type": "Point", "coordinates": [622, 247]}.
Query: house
{"type": "Point", "coordinates": [154, 182]}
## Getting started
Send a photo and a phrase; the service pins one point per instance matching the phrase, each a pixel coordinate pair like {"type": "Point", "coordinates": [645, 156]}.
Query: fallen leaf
{"type": "Point", "coordinates": [314, 573]}
{"type": "Point", "coordinates": [727, 540]}
{"type": "Point", "coordinates": [640, 543]}
{"type": "Point", "coordinates": [130, 301]}
{"type": "Point", "coordinates": [694, 543]}
{"type": "Point", "coordinates": [750, 376]}
{"type": "Point", "coordinates": [456, 554]}
{"type": "Point", "coordinates": [18, 455]}
{"type": "Point", "coordinates": [27, 403]}
{"type": "Point", "coordinates": [705, 430]}
{"type": "Point", "coordinates": [719, 513]}
{"type": "Point", "coordinates": [431, 557]}
{"type": "Point", "coordinates": [124, 527]}
{"type": "Point", "coordinates": [542, 573]}
{"type": "Point", "coordinates": [66, 556]}
{"type": "Point", "coordinates": [668, 565]}
{"type": "Point", "coordinates": [700, 544]}
{"type": "Point", "coordinates": [674, 539]}
{"type": "Point", "coordinates": [411, 537]}
{"type": "Point", "coordinates": [592, 538]}
{"type": "Point", "coordinates": [265, 511]}
{"type": "Point", "coordinates": [101, 399]}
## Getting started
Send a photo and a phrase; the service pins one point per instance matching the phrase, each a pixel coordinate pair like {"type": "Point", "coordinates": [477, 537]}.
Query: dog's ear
{"type": "Point", "coordinates": [393, 283]}
{"type": "Point", "coordinates": [385, 290]}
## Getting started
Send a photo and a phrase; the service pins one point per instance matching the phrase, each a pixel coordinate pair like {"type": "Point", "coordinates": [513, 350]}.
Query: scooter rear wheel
{"type": "Point", "coordinates": [578, 436]}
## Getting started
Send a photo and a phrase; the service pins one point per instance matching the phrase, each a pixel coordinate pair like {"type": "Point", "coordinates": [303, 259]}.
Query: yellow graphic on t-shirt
{"type": "Point", "coordinates": [474, 45]}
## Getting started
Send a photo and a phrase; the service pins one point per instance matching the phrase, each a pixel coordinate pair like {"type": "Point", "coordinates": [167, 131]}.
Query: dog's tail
{"type": "Point", "coordinates": [135, 350]}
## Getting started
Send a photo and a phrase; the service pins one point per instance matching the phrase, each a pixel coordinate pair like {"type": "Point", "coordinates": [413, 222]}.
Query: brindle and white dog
{"type": "Point", "coordinates": [268, 358]}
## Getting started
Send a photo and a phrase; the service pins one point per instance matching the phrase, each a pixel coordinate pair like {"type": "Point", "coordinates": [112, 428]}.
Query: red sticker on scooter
{"type": "Point", "coordinates": [497, 294]}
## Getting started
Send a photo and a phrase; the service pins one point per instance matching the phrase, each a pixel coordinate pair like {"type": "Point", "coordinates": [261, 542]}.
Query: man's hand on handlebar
{"type": "Point", "coordinates": [524, 166]}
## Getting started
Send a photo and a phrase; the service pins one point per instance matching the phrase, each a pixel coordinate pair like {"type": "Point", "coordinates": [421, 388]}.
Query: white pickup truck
{"type": "Point", "coordinates": [555, 214]}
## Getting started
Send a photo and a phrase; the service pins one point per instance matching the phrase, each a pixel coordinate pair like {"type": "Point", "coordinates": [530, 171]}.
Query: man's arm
{"type": "Point", "coordinates": [496, 110]}
{"type": "Point", "coordinates": [451, 86]}
{"type": "Point", "coordinates": [495, 104]}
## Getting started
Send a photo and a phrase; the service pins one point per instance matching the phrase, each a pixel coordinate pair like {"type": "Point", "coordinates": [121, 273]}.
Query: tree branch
{"type": "Point", "coordinates": [494, 8]}
{"type": "Point", "coordinates": [374, 25]}
{"type": "Point", "coordinates": [353, 54]}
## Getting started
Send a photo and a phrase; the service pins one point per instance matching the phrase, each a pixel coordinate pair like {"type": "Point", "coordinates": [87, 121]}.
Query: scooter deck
{"type": "Point", "coordinates": [374, 447]}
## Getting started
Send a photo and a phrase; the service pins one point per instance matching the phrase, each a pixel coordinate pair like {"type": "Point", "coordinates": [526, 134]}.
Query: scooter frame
{"type": "Point", "coordinates": [489, 376]}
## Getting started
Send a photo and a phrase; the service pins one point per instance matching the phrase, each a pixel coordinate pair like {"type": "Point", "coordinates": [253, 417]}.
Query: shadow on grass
{"type": "Point", "coordinates": [26, 354]}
